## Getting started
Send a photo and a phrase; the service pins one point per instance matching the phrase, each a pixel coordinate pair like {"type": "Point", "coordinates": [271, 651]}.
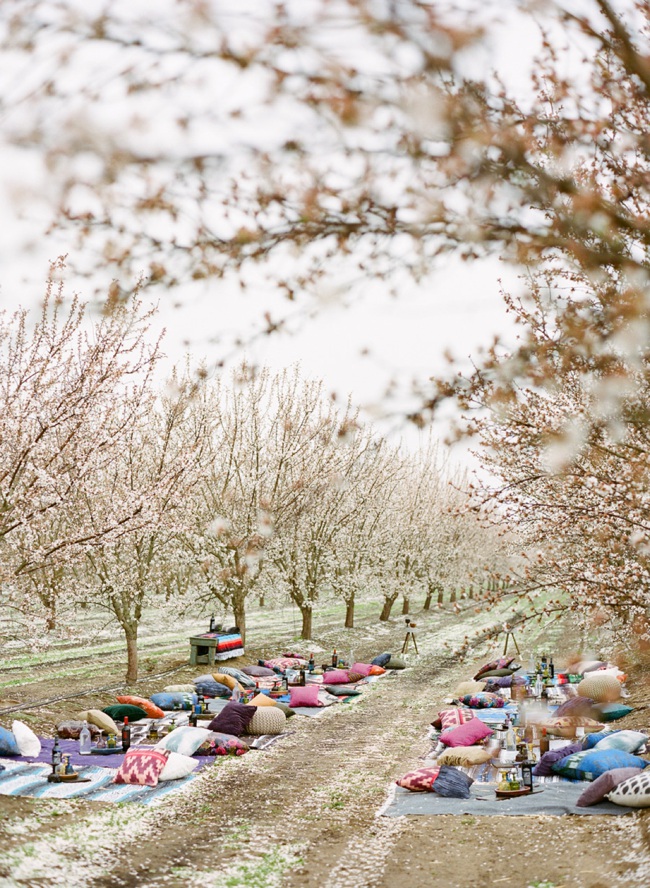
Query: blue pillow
{"type": "Point", "coordinates": [381, 660]}
{"type": "Point", "coordinates": [8, 745]}
{"type": "Point", "coordinates": [173, 701]}
{"type": "Point", "coordinates": [592, 739]}
{"type": "Point", "coordinates": [609, 712]}
{"type": "Point", "coordinates": [591, 763]}
{"type": "Point", "coordinates": [212, 689]}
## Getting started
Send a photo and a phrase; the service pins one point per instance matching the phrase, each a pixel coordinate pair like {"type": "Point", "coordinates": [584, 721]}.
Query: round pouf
{"type": "Point", "coordinates": [601, 688]}
{"type": "Point", "coordinates": [267, 720]}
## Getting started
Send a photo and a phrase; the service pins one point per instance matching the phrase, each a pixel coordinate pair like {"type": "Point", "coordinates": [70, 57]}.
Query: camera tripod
{"type": "Point", "coordinates": [410, 635]}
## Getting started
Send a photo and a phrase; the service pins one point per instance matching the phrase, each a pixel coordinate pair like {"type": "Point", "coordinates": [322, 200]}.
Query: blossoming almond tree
{"type": "Point", "coordinates": [60, 380]}
{"type": "Point", "coordinates": [159, 470]}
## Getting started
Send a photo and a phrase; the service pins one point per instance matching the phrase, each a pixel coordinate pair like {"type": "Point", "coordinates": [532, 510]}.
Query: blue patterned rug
{"type": "Point", "coordinates": [20, 778]}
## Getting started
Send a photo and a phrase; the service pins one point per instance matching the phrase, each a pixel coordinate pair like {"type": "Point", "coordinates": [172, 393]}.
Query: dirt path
{"type": "Point", "coordinates": [303, 813]}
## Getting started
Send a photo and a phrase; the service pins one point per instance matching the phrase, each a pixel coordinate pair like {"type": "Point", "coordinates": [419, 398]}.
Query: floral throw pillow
{"type": "Point", "coordinates": [482, 701]}
{"type": "Point", "coordinates": [142, 767]}
{"type": "Point", "coordinates": [421, 780]}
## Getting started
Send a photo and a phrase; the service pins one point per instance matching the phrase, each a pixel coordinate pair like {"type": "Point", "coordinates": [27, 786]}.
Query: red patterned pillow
{"type": "Point", "coordinates": [419, 781]}
{"type": "Point", "coordinates": [452, 718]}
{"type": "Point", "coordinates": [142, 767]}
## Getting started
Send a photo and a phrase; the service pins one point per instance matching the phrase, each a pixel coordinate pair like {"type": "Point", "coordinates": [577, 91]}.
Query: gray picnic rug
{"type": "Point", "coordinates": [551, 799]}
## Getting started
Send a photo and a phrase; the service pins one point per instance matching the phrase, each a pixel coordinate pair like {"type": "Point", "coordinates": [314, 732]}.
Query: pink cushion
{"type": "Point", "coordinates": [142, 767]}
{"type": "Point", "coordinates": [466, 735]}
{"type": "Point", "coordinates": [452, 718]}
{"type": "Point", "coordinates": [336, 677]}
{"type": "Point", "coordinates": [361, 668]}
{"type": "Point", "coordinates": [307, 696]}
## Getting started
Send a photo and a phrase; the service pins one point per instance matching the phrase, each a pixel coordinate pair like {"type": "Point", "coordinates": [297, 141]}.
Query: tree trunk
{"type": "Point", "coordinates": [405, 606]}
{"type": "Point", "coordinates": [131, 633]}
{"type": "Point", "coordinates": [440, 595]}
{"type": "Point", "coordinates": [427, 601]}
{"type": "Point", "coordinates": [306, 622]}
{"type": "Point", "coordinates": [239, 612]}
{"type": "Point", "coordinates": [262, 601]}
{"type": "Point", "coordinates": [349, 614]}
{"type": "Point", "coordinates": [387, 608]}
{"type": "Point", "coordinates": [452, 596]}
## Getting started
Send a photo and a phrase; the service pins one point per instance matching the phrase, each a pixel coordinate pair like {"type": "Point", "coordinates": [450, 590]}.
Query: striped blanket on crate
{"type": "Point", "coordinates": [229, 646]}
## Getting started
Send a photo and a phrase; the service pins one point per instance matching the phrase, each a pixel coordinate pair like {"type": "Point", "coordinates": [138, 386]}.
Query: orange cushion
{"type": "Point", "coordinates": [377, 670]}
{"type": "Point", "coordinates": [261, 700]}
{"type": "Point", "coordinates": [228, 680]}
{"type": "Point", "coordinates": [150, 708]}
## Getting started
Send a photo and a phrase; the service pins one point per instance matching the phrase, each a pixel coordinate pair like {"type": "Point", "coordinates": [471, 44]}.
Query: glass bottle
{"type": "Point", "coordinates": [111, 743]}
{"type": "Point", "coordinates": [302, 677]}
{"type": "Point", "coordinates": [335, 659]}
{"type": "Point", "coordinates": [126, 734]}
{"type": "Point", "coordinates": [85, 740]}
{"type": "Point", "coordinates": [312, 663]}
{"type": "Point", "coordinates": [543, 742]}
{"type": "Point", "coordinates": [56, 755]}
{"type": "Point", "coordinates": [551, 668]}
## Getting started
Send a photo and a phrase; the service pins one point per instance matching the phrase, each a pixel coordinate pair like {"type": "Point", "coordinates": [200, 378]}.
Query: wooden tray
{"type": "Point", "coordinates": [512, 793]}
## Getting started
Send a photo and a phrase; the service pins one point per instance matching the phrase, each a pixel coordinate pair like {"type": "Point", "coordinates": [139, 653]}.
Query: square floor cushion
{"type": "Point", "coordinates": [258, 671]}
{"type": "Point", "coordinates": [598, 789]}
{"type": "Point", "coordinates": [452, 718]}
{"type": "Point", "coordinates": [591, 763]}
{"type": "Point", "coordinates": [451, 783]}
{"type": "Point", "coordinates": [465, 756]}
{"type": "Point", "coordinates": [628, 741]}
{"type": "Point", "coordinates": [468, 734]}
{"type": "Point", "coordinates": [396, 663]}
{"type": "Point", "coordinates": [336, 676]}
{"type": "Point", "coordinates": [228, 680]}
{"type": "Point", "coordinates": [582, 706]}
{"type": "Point", "coordinates": [222, 744]}
{"type": "Point", "coordinates": [633, 792]}
{"type": "Point", "coordinates": [421, 780]}
{"type": "Point", "coordinates": [8, 743]}
{"type": "Point", "coordinates": [97, 717]}
{"type": "Point", "coordinates": [150, 708]}
{"type": "Point", "coordinates": [381, 660]}
{"type": "Point", "coordinates": [544, 767]}
{"type": "Point", "coordinates": [120, 711]}
{"type": "Point", "coordinates": [482, 701]}
{"type": "Point", "coordinates": [234, 718]}
{"type": "Point", "coordinates": [142, 767]}
{"type": "Point", "coordinates": [260, 700]}
{"type": "Point", "coordinates": [177, 766]}
{"type": "Point", "coordinates": [244, 680]}
{"type": "Point", "coordinates": [361, 668]}
{"type": "Point", "coordinates": [28, 743]}
{"type": "Point", "coordinates": [609, 712]}
{"type": "Point", "coordinates": [304, 696]}
{"type": "Point", "coordinates": [171, 702]}
{"type": "Point", "coordinates": [185, 740]}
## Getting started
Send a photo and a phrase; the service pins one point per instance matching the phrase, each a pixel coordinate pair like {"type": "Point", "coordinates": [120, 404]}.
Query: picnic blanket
{"type": "Point", "coordinates": [550, 799]}
{"type": "Point", "coordinates": [23, 778]}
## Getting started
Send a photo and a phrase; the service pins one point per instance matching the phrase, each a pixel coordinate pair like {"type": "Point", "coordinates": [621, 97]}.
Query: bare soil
{"type": "Point", "coordinates": [304, 812]}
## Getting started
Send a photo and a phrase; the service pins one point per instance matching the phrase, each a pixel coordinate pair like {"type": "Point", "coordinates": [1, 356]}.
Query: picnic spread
{"type": "Point", "coordinates": [139, 749]}
{"type": "Point", "coordinates": [530, 741]}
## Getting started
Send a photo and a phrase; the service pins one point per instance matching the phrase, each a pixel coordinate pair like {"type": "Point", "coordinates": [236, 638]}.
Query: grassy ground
{"type": "Point", "coordinates": [304, 812]}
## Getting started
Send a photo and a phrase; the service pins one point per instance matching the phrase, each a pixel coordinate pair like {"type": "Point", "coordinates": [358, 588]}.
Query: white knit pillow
{"type": "Point", "coordinates": [600, 688]}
